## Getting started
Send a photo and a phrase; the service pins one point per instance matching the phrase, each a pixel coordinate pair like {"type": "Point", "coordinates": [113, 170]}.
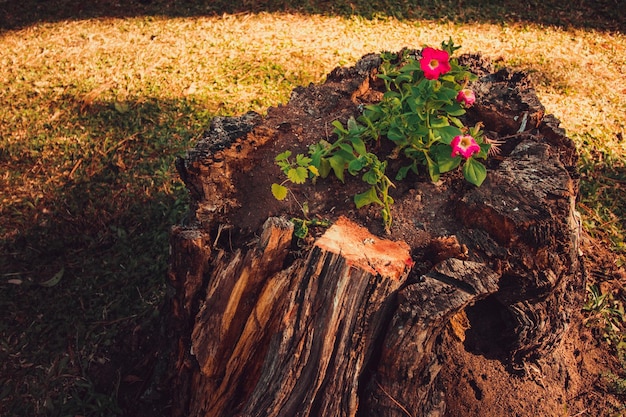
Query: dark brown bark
{"type": "Point", "coordinates": [351, 323]}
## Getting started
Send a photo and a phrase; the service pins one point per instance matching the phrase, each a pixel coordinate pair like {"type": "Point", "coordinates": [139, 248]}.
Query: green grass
{"type": "Point", "coordinates": [603, 197]}
{"type": "Point", "coordinates": [93, 113]}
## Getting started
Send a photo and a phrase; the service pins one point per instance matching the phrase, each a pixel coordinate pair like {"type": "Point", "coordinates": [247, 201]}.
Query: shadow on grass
{"type": "Point", "coordinates": [81, 321]}
{"type": "Point", "coordinates": [597, 14]}
{"type": "Point", "coordinates": [83, 267]}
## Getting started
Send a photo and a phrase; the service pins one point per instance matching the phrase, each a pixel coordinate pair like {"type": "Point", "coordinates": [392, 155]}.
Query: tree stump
{"type": "Point", "coordinates": [348, 322]}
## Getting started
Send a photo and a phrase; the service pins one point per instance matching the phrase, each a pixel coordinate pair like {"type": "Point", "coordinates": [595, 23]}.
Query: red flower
{"type": "Point", "coordinates": [466, 97]}
{"type": "Point", "coordinates": [434, 63]}
{"type": "Point", "coordinates": [465, 146]}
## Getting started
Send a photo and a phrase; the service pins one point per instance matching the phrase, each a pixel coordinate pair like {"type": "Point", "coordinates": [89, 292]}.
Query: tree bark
{"type": "Point", "coordinates": [350, 324]}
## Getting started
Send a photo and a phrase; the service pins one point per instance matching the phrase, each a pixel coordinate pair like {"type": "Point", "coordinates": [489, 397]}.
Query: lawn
{"type": "Point", "coordinates": [96, 103]}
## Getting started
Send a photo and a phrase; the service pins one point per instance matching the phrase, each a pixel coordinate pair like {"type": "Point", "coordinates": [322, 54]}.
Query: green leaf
{"type": "Point", "coordinates": [344, 154]}
{"type": "Point", "coordinates": [282, 156]}
{"type": "Point", "coordinates": [447, 133]}
{"type": "Point", "coordinates": [474, 172]}
{"type": "Point", "coordinates": [447, 163]}
{"type": "Point", "coordinates": [454, 110]}
{"type": "Point", "coordinates": [356, 165]}
{"type": "Point", "coordinates": [410, 67]}
{"type": "Point", "coordinates": [367, 197]}
{"type": "Point", "coordinates": [338, 165]}
{"type": "Point", "coordinates": [352, 124]}
{"type": "Point", "coordinates": [404, 171]}
{"type": "Point", "coordinates": [372, 113]}
{"type": "Point", "coordinates": [403, 78]}
{"type": "Point", "coordinates": [346, 147]}
{"type": "Point", "coordinates": [302, 160]}
{"type": "Point", "coordinates": [392, 97]}
{"type": "Point", "coordinates": [484, 151]}
{"type": "Point", "coordinates": [447, 94]}
{"type": "Point", "coordinates": [56, 278]}
{"type": "Point", "coordinates": [279, 191]}
{"type": "Point", "coordinates": [447, 77]}
{"type": "Point", "coordinates": [298, 175]}
{"type": "Point", "coordinates": [456, 122]}
{"type": "Point", "coordinates": [324, 168]}
{"type": "Point", "coordinates": [396, 135]}
{"type": "Point", "coordinates": [371, 177]}
{"type": "Point", "coordinates": [433, 168]}
{"type": "Point", "coordinates": [438, 122]}
{"type": "Point", "coordinates": [339, 127]}
{"type": "Point", "coordinates": [443, 155]}
{"type": "Point", "coordinates": [317, 152]}
{"type": "Point", "coordinates": [300, 228]}
{"type": "Point", "coordinates": [359, 145]}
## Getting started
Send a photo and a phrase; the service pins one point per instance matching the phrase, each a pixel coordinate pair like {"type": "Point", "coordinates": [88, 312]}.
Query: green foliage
{"type": "Point", "coordinates": [420, 116]}
{"type": "Point", "coordinates": [279, 191]}
{"type": "Point", "coordinates": [603, 193]}
{"type": "Point", "coordinates": [87, 262]}
{"type": "Point", "coordinates": [301, 226]}
{"type": "Point", "coordinates": [474, 172]}
{"type": "Point", "coordinates": [297, 171]}
{"type": "Point", "coordinates": [606, 316]}
{"type": "Point", "coordinates": [606, 313]}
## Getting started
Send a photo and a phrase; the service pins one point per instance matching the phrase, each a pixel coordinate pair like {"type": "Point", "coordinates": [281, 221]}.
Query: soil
{"type": "Point", "coordinates": [480, 380]}
{"type": "Point", "coordinates": [567, 382]}
{"type": "Point", "coordinates": [570, 381]}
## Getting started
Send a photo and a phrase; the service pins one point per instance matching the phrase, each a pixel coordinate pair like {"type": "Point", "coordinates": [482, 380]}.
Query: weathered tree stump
{"type": "Point", "coordinates": [348, 322]}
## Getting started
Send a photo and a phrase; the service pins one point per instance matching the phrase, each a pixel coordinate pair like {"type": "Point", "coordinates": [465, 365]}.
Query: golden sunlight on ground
{"type": "Point", "coordinates": [579, 73]}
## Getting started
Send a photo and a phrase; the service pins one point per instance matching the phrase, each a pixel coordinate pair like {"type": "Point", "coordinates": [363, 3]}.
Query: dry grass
{"type": "Point", "coordinates": [228, 61]}
{"type": "Point", "coordinates": [110, 101]}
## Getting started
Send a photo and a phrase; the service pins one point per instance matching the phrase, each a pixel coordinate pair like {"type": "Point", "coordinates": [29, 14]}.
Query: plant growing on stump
{"type": "Point", "coordinates": [425, 95]}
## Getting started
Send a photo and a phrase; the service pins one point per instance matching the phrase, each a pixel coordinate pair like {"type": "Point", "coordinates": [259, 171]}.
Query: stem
{"type": "Point", "coordinates": [384, 192]}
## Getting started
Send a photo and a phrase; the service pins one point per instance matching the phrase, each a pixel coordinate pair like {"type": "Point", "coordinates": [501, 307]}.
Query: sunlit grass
{"type": "Point", "coordinates": [93, 113]}
{"type": "Point", "coordinates": [237, 63]}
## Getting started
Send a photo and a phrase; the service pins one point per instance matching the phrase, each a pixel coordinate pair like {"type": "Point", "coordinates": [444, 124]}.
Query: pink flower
{"type": "Point", "coordinates": [434, 63]}
{"type": "Point", "coordinates": [466, 97]}
{"type": "Point", "coordinates": [465, 146]}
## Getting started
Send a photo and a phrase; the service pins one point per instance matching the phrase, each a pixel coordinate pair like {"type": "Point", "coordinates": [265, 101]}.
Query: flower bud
{"type": "Point", "coordinates": [466, 97]}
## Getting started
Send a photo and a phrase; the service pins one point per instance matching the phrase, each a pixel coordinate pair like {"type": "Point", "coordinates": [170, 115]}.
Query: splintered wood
{"type": "Point", "coordinates": [273, 342]}
{"type": "Point", "coordinates": [366, 251]}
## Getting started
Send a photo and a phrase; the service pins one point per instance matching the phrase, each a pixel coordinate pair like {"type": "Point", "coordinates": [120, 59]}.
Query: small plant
{"type": "Point", "coordinates": [419, 113]}
{"type": "Point", "coordinates": [607, 315]}
{"type": "Point", "coordinates": [301, 226]}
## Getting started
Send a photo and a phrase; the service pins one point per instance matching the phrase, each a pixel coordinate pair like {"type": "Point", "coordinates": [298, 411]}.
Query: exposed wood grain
{"type": "Point", "coordinates": [190, 253]}
{"type": "Point", "coordinates": [308, 330]}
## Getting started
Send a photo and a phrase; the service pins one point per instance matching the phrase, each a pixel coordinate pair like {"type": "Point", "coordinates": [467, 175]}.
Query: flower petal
{"type": "Point", "coordinates": [434, 62]}
{"type": "Point", "coordinates": [465, 146]}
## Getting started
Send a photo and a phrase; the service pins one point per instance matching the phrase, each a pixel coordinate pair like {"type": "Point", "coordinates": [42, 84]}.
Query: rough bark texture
{"type": "Point", "coordinates": [349, 323]}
